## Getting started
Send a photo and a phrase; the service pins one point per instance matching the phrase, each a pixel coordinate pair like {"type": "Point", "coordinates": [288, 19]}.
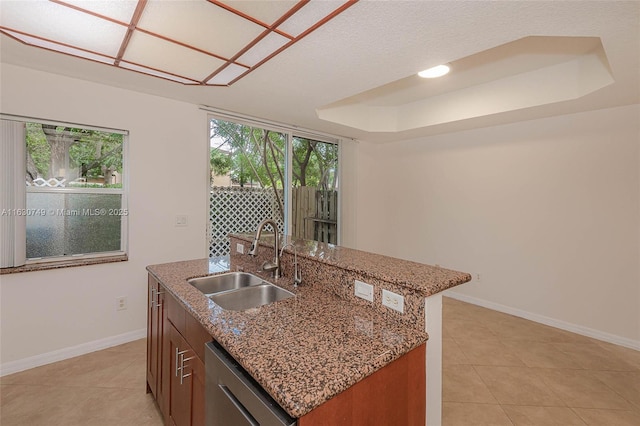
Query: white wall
{"type": "Point", "coordinates": [546, 211]}
{"type": "Point", "coordinates": [348, 180]}
{"type": "Point", "coordinates": [54, 313]}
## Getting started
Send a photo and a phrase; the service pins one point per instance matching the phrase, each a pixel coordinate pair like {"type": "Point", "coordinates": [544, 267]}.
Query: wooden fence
{"type": "Point", "coordinates": [314, 214]}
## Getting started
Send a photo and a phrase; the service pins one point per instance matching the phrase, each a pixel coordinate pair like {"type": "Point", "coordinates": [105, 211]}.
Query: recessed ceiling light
{"type": "Point", "coordinates": [433, 72]}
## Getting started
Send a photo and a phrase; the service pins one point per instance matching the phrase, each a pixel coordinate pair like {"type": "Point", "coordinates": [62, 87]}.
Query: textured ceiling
{"type": "Point", "coordinates": [375, 43]}
{"type": "Point", "coordinates": [525, 73]}
{"type": "Point", "coordinates": [205, 42]}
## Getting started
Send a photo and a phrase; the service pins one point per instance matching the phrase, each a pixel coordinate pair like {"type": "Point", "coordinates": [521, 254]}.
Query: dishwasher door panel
{"type": "Point", "coordinates": [233, 398]}
{"type": "Point", "coordinates": [227, 410]}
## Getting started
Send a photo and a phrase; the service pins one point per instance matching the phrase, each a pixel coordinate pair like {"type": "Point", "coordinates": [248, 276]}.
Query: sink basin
{"type": "Point", "coordinates": [250, 297]}
{"type": "Point", "coordinates": [237, 291]}
{"type": "Point", "coordinates": [225, 282]}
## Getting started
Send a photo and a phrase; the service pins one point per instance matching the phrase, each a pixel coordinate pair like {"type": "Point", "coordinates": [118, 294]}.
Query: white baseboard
{"type": "Point", "coordinates": [73, 351]}
{"type": "Point", "coordinates": [574, 328]}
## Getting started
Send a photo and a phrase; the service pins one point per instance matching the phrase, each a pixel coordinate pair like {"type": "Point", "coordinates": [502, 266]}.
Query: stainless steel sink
{"type": "Point", "coordinates": [250, 297]}
{"type": "Point", "coordinates": [224, 282]}
{"type": "Point", "coordinates": [237, 291]}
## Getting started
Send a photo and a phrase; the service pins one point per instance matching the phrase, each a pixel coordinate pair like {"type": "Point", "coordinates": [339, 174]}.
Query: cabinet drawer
{"type": "Point", "coordinates": [196, 335]}
{"type": "Point", "coordinates": [189, 327]}
{"type": "Point", "coordinates": [176, 314]}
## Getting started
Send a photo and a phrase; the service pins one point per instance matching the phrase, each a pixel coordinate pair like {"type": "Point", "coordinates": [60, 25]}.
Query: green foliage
{"type": "Point", "coordinates": [256, 156]}
{"type": "Point", "coordinates": [314, 163]}
{"type": "Point", "coordinates": [38, 148]}
{"type": "Point", "coordinates": [221, 162]}
{"type": "Point", "coordinates": [94, 185]}
{"type": "Point", "coordinates": [94, 149]}
{"type": "Point", "coordinates": [90, 150]}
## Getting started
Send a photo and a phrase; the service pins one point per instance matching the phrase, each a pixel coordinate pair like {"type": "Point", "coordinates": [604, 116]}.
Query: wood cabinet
{"type": "Point", "coordinates": [155, 331]}
{"type": "Point", "coordinates": [393, 395]}
{"type": "Point", "coordinates": [185, 390]}
{"type": "Point", "coordinates": [175, 358]}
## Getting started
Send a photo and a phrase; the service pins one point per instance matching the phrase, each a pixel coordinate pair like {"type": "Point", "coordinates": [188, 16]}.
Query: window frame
{"type": "Point", "coordinates": [80, 258]}
{"type": "Point", "coordinates": [290, 132]}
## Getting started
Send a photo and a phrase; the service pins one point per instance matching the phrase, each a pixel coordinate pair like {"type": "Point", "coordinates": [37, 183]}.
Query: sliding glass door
{"type": "Point", "coordinates": [314, 190]}
{"type": "Point", "coordinates": [247, 180]}
{"type": "Point", "coordinates": [259, 173]}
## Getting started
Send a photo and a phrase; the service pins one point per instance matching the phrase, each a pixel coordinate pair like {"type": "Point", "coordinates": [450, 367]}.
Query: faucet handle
{"type": "Point", "coordinates": [268, 266]}
{"type": "Point", "coordinates": [254, 248]}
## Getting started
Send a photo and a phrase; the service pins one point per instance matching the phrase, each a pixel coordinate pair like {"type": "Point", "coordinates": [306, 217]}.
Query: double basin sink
{"type": "Point", "coordinates": [238, 291]}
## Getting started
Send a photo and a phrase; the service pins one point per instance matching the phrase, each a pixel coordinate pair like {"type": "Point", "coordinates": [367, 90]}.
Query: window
{"type": "Point", "coordinates": [259, 172]}
{"type": "Point", "coordinates": [314, 194]}
{"type": "Point", "coordinates": [65, 187]}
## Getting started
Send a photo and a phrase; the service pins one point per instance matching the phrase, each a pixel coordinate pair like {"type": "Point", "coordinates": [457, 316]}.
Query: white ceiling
{"type": "Point", "coordinates": [525, 73]}
{"type": "Point", "coordinates": [223, 41]}
{"type": "Point", "coordinates": [375, 43]}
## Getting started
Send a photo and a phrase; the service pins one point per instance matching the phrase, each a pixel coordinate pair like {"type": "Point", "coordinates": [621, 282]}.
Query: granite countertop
{"type": "Point", "coordinates": [304, 350]}
{"type": "Point", "coordinates": [418, 277]}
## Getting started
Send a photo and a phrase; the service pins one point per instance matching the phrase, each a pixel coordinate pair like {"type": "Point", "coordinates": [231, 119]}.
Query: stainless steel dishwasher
{"type": "Point", "coordinates": [234, 398]}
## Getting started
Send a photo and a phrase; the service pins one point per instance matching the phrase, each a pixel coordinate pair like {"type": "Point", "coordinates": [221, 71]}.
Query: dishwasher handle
{"type": "Point", "coordinates": [232, 398]}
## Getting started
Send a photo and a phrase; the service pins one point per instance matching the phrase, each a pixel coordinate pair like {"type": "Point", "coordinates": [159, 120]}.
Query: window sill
{"type": "Point", "coordinates": [64, 264]}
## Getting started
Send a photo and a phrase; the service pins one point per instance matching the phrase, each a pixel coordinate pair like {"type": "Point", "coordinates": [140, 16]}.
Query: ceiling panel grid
{"type": "Point", "coordinates": [192, 42]}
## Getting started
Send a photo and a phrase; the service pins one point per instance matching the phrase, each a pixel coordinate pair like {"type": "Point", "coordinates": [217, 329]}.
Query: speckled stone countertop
{"type": "Point", "coordinates": [419, 277]}
{"type": "Point", "coordinates": [305, 350]}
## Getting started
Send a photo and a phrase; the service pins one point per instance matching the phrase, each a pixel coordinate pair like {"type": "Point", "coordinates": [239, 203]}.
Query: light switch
{"type": "Point", "coordinates": [181, 220]}
{"type": "Point", "coordinates": [364, 290]}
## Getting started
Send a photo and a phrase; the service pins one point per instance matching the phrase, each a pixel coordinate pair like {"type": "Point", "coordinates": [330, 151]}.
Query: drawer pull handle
{"type": "Point", "coordinates": [182, 366]}
{"type": "Point", "coordinates": [152, 292]}
{"type": "Point", "coordinates": [154, 299]}
{"type": "Point", "coordinates": [177, 358]}
{"type": "Point", "coordinates": [180, 360]}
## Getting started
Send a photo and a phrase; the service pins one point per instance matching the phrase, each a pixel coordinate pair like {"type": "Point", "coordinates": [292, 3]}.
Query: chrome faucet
{"type": "Point", "coordinates": [297, 277]}
{"type": "Point", "coordinates": [273, 266]}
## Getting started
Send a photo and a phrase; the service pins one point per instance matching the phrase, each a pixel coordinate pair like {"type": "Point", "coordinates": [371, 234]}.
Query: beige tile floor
{"type": "Point", "coordinates": [498, 370]}
{"type": "Point", "coordinates": [503, 370]}
{"type": "Point", "coordinates": [104, 388]}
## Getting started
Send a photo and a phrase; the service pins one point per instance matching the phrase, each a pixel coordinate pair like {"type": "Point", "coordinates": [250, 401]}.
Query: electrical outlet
{"type": "Point", "coordinates": [121, 303]}
{"type": "Point", "coordinates": [478, 277]}
{"type": "Point", "coordinates": [240, 248]}
{"type": "Point", "coordinates": [363, 290]}
{"type": "Point", "coordinates": [393, 301]}
{"type": "Point", "coordinates": [181, 220]}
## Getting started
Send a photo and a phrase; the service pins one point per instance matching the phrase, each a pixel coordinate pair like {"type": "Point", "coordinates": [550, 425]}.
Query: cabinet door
{"type": "Point", "coordinates": [393, 395]}
{"type": "Point", "coordinates": [155, 308]}
{"type": "Point", "coordinates": [185, 382]}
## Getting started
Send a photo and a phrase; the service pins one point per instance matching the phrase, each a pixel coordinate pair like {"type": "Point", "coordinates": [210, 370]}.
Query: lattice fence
{"type": "Point", "coordinates": [239, 210]}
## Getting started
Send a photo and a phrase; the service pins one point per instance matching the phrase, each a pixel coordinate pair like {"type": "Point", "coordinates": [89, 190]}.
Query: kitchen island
{"type": "Point", "coordinates": [307, 350]}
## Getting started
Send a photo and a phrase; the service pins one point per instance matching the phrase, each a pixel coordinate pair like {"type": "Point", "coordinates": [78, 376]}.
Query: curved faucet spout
{"type": "Point", "coordinates": [297, 277]}
{"type": "Point", "coordinates": [268, 266]}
